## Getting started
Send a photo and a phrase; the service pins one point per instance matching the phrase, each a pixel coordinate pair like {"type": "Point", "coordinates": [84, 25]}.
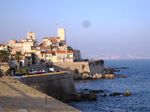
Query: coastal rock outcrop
{"type": "Point", "coordinates": [109, 76]}
{"type": "Point", "coordinates": [126, 93]}
{"type": "Point", "coordinates": [97, 76]}
{"type": "Point", "coordinates": [96, 91]}
{"type": "Point", "coordinates": [76, 97]}
{"type": "Point", "coordinates": [89, 96]}
{"type": "Point", "coordinates": [115, 94]}
{"type": "Point", "coordinates": [92, 94]}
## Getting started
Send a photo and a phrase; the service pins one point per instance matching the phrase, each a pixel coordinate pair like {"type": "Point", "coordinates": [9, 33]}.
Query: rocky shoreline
{"type": "Point", "coordinates": [91, 95]}
{"type": "Point", "coordinates": [101, 76]}
{"type": "Point", "coordinates": [108, 73]}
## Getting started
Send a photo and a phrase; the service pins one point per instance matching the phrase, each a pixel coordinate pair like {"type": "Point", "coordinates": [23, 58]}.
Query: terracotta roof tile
{"type": "Point", "coordinates": [2, 44]}
{"type": "Point", "coordinates": [58, 51]}
{"type": "Point", "coordinates": [47, 52]}
{"type": "Point", "coordinates": [64, 51]}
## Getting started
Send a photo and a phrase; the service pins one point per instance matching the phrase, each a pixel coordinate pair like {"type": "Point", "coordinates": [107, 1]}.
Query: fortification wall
{"type": "Point", "coordinates": [18, 97]}
{"type": "Point", "coordinates": [77, 69]}
{"type": "Point", "coordinates": [60, 86]}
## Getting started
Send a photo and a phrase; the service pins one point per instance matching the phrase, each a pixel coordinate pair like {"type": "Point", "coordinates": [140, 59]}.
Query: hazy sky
{"type": "Point", "coordinates": [96, 27]}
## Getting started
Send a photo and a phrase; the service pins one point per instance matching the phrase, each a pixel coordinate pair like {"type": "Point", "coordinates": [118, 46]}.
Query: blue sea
{"type": "Point", "coordinates": [138, 82]}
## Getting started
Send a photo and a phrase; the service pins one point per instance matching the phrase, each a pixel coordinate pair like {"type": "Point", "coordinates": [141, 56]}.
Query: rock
{"type": "Point", "coordinates": [84, 95]}
{"type": "Point", "coordinates": [121, 76]}
{"type": "Point", "coordinates": [115, 94]}
{"type": "Point", "coordinates": [76, 97]}
{"type": "Point", "coordinates": [87, 78]}
{"type": "Point", "coordinates": [127, 93]}
{"type": "Point", "coordinates": [86, 89]}
{"type": "Point", "coordinates": [85, 75]}
{"type": "Point", "coordinates": [96, 91]}
{"type": "Point", "coordinates": [94, 77]}
{"type": "Point", "coordinates": [97, 76]}
{"type": "Point", "coordinates": [92, 97]}
{"type": "Point", "coordinates": [73, 97]}
{"type": "Point", "coordinates": [103, 95]}
{"type": "Point", "coordinates": [89, 96]}
{"type": "Point", "coordinates": [109, 76]}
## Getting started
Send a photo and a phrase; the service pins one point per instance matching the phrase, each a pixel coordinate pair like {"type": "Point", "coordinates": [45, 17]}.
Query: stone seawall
{"type": "Point", "coordinates": [18, 97]}
{"type": "Point", "coordinates": [75, 68]}
{"type": "Point", "coordinates": [78, 69]}
{"type": "Point", "coordinates": [58, 85]}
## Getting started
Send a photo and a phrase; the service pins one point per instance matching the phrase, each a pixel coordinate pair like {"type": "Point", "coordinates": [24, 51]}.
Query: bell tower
{"type": "Point", "coordinates": [31, 35]}
{"type": "Point", "coordinates": [61, 33]}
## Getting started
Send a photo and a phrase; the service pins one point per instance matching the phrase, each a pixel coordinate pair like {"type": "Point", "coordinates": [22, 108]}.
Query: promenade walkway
{"type": "Point", "coordinates": [17, 97]}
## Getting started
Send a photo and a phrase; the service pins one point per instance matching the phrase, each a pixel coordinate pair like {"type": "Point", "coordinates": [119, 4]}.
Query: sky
{"type": "Point", "coordinates": [99, 28]}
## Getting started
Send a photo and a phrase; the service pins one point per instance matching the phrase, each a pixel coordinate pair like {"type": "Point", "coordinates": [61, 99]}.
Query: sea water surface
{"type": "Point", "coordinates": [138, 82]}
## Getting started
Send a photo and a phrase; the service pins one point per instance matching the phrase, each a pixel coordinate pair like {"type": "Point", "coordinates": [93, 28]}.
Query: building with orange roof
{"type": "Point", "coordinates": [3, 47]}
{"type": "Point", "coordinates": [57, 56]}
{"type": "Point", "coordinates": [54, 49]}
{"type": "Point", "coordinates": [24, 45]}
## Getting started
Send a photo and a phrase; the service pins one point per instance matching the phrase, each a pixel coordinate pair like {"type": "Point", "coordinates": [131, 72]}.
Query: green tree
{"type": "Point", "coordinates": [33, 56]}
{"type": "Point", "coordinates": [69, 48]}
{"type": "Point", "coordinates": [61, 43]}
{"type": "Point", "coordinates": [4, 56]}
{"type": "Point", "coordinates": [9, 49]}
{"type": "Point", "coordinates": [51, 47]}
{"type": "Point", "coordinates": [18, 56]}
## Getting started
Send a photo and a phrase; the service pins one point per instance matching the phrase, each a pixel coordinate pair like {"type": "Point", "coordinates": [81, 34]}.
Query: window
{"type": "Point", "coordinates": [53, 54]}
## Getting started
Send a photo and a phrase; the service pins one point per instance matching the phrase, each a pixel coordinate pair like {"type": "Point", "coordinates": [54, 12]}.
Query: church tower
{"type": "Point", "coordinates": [31, 35]}
{"type": "Point", "coordinates": [61, 33]}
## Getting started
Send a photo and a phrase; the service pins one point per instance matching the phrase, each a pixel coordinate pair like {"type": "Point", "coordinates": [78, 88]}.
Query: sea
{"type": "Point", "coordinates": [137, 82]}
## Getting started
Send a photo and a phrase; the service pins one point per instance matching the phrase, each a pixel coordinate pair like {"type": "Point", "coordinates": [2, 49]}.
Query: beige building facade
{"type": "Point", "coordinates": [57, 56]}
{"type": "Point", "coordinates": [51, 49]}
{"type": "Point", "coordinates": [3, 47]}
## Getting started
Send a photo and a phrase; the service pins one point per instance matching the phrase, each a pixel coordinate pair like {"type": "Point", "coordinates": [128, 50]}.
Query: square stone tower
{"type": "Point", "coordinates": [61, 33]}
{"type": "Point", "coordinates": [31, 35]}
